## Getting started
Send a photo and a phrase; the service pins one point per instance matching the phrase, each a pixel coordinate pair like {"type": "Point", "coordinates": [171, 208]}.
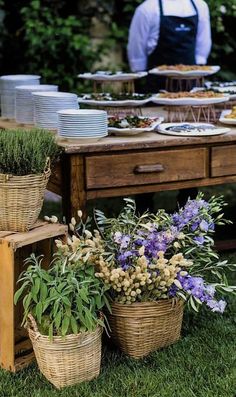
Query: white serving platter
{"type": "Point", "coordinates": [217, 84]}
{"type": "Point", "coordinates": [126, 102]}
{"type": "Point", "coordinates": [164, 129]}
{"type": "Point", "coordinates": [190, 73]}
{"type": "Point", "coordinates": [105, 75]}
{"type": "Point", "coordinates": [188, 101]}
{"type": "Point", "coordinates": [128, 131]}
{"type": "Point", "coordinates": [227, 120]}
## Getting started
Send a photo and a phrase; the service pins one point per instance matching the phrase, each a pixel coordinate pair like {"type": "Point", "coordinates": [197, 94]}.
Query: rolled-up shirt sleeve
{"type": "Point", "coordinates": [137, 42]}
{"type": "Point", "coordinates": [203, 40]}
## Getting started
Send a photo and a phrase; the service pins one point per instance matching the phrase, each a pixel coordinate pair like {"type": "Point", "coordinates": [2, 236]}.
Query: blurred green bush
{"type": "Point", "coordinates": [53, 38]}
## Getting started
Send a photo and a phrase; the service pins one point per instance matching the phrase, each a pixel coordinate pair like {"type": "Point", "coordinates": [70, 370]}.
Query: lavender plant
{"type": "Point", "coordinates": [159, 256]}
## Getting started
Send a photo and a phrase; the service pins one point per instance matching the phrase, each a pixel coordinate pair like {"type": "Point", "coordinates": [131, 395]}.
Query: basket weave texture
{"type": "Point", "coordinates": [141, 328]}
{"type": "Point", "coordinates": [69, 360]}
{"type": "Point", "coordinates": [21, 200]}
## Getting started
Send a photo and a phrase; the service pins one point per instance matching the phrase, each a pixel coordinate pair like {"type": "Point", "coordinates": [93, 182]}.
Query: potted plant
{"type": "Point", "coordinates": [62, 312]}
{"type": "Point", "coordinates": [154, 263]}
{"type": "Point", "coordinates": [25, 157]}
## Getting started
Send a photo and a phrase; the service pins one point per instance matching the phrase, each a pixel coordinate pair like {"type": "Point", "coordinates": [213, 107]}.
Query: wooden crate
{"type": "Point", "coordinates": [15, 347]}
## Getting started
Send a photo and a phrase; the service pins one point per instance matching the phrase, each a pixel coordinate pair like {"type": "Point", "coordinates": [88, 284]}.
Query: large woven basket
{"type": "Point", "coordinates": [141, 328]}
{"type": "Point", "coordinates": [69, 360]}
{"type": "Point", "coordinates": [21, 200]}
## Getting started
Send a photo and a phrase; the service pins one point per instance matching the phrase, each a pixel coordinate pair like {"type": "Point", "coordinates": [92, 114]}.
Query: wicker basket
{"type": "Point", "coordinates": [141, 328]}
{"type": "Point", "coordinates": [69, 360]}
{"type": "Point", "coordinates": [21, 200]}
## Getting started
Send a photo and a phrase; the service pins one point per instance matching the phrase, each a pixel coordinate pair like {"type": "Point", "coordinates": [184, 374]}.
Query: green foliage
{"type": "Point", "coordinates": [24, 152]}
{"type": "Point", "coordinates": [53, 38]}
{"type": "Point", "coordinates": [65, 299]}
{"type": "Point", "coordinates": [57, 46]}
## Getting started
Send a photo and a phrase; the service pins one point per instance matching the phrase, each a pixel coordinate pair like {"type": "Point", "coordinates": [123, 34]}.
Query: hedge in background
{"type": "Point", "coordinates": [53, 38]}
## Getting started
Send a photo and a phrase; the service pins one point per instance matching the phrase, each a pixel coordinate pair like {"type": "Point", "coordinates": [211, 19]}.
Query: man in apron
{"type": "Point", "coordinates": [168, 32]}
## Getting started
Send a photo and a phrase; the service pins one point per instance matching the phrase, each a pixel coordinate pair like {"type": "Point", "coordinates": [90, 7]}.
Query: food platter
{"type": "Point", "coordinates": [106, 75]}
{"type": "Point", "coordinates": [228, 120]}
{"type": "Point", "coordinates": [230, 90]}
{"type": "Point", "coordinates": [196, 98]}
{"type": "Point", "coordinates": [132, 125]}
{"type": "Point", "coordinates": [185, 70]}
{"type": "Point", "coordinates": [222, 84]}
{"type": "Point", "coordinates": [191, 129]}
{"type": "Point", "coordinates": [103, 99]}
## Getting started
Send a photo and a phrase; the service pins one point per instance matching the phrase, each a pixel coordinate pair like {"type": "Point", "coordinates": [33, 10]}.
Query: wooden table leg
{"type": "Point", "coordinates": [7, 325]}
{"type": "Point", "coordinates": [74, 196]}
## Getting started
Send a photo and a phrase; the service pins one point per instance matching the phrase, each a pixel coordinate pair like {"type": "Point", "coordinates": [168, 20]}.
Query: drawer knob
{"type": "Point", "coordinates": [144, 169]}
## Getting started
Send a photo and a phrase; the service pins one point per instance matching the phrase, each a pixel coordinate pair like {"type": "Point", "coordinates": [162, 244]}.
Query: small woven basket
{"type": "Point", "coordinates": [141, 328]}
{"type": "Point", "coordinates": [21, 200]}
{"type": "Point", "coordinates": [69, 360]}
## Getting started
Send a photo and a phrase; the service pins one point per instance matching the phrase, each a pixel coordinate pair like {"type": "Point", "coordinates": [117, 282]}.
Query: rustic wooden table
{"type": "Point", "coordinates": [150, 162]}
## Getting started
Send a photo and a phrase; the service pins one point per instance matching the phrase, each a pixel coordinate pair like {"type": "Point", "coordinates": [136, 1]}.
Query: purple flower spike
{"type": "Point", "coordinates": [199, 240]}
{"type": "Point", "coordinates": [217, 306]}
{"type": "Point", "coordinates": [204, 226]}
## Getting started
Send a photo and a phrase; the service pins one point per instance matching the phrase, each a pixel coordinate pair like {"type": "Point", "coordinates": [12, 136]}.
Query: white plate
{"type": "Point", "coordinates": [162, 129]}
{"type": "Point", "coordinates": [125, 102]}
{"type": "Point", "coordinates": [191, 73]}
{"type": "Point", "coordinates": [54, 95]}
{"type": "Point", "coordinates": [82, 112]}
{"type": "Point", "coordinates": [189, 101]}
{"type": "Point", "coordinates": [226, 120]}
{"type": "Point", "coordinates": [101, 76]}
{"type": "Point", "coordinates": [135, 131]}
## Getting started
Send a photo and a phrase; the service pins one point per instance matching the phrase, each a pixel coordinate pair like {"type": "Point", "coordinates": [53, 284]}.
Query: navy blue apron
{"type": "Point", "coordinates": [177, 40]}
{"type": "Point", "coordinates": [176, 43]}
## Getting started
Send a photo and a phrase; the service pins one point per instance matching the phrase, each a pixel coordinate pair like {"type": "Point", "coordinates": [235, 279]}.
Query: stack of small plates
{"type": "Point", "coordinates": [25, 103]}
{"type": "Point", "coordinates": [8, 84]}
{"type": "Point", "coordinates": [47, 104]}
{"type": "Point", "coordinates": [82, 124]}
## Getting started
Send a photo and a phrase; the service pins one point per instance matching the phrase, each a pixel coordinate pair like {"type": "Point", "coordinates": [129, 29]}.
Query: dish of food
{"type": "Point", "coordinates": [191, 129]}
{"type": "Point", "coordinates": [106, 75]}
{"type": "Point", "coordinates": [105, 99]}
{"type": "Point", "coordinates": [228, 116]}
{"type": "Point", "coordinates": [185, 70]}
{"type": "Point", "coordinates": [132, 124]}
{"type": "Point", "coordinates": [216, 84]}
{"type": "Point", "coordinates": [198, 97]}
{"type": "Point", "coordinates": [230, 90]}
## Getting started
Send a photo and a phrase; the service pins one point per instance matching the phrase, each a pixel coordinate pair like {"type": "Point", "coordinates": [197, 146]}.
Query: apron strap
{"type": "Point", "coordinates": [194, 6]}
{"type": "Point", "coordinates": [161, 7]}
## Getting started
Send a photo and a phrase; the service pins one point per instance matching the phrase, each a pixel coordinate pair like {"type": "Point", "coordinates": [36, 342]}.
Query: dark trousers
{"type": "Point", "coordinates": [144, 201]}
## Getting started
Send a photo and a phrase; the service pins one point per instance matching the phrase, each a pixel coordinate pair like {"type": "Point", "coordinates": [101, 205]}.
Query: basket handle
{"type": "Point", "coordinates": [47, 165]}
{"type": "Point", "coordinates": [32, 323]}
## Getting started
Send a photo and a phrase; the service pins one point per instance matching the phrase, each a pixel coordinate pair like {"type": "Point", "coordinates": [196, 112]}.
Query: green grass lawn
{"type": "Point", "coordinates": [201, 364]}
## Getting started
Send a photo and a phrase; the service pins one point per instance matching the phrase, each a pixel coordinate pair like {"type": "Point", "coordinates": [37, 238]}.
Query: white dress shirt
{"type": "Point", "coordinates": [145, 28]}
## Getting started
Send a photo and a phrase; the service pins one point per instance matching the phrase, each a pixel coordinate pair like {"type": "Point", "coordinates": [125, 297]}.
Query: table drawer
{"type": "Point", "coordinates": [223, 160]}
{"type": "Point", "coordinates": [143, 168]}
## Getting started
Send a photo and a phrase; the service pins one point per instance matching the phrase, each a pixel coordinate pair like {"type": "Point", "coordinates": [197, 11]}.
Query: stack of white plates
{"type": "Point", "coordinates": [47, 104]}
{"type": "Point", "coordinates": [25, 103]}
{"type": "Point", "coordinates": [82, 124]}
{"type": "Point", "coordinates": [8, 84]}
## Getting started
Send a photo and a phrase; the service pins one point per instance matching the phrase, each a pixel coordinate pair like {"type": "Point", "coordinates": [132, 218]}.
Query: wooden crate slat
{"type": "Point", "coordinates": [40, 233]}
{"type": "Point", "coordinates": [5, 234]}
{"type": "Point", "coordinates": [23, 346]}
{"type": "Point", "coordinates": [24, 361]}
